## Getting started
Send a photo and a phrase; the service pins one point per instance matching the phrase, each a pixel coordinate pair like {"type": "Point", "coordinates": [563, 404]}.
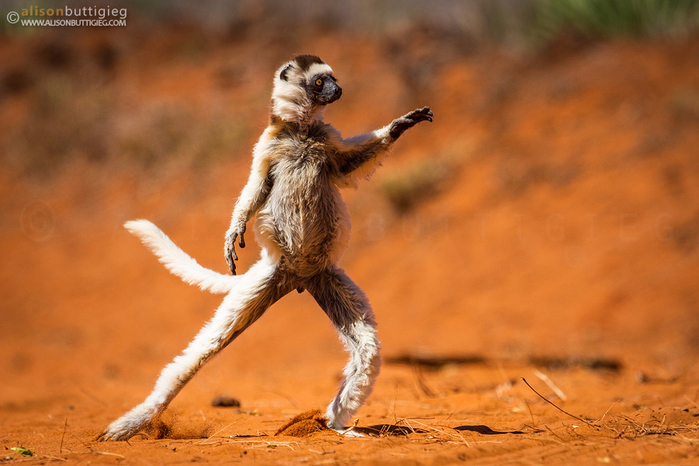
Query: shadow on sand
{"type": "Point", "coordinates": [485, 430]}
{"type": "Point", "coordinates": [391, 430]}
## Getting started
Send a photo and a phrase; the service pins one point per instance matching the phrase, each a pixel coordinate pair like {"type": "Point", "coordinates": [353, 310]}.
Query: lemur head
{"type": "Point", "coordinates": [302, 89]}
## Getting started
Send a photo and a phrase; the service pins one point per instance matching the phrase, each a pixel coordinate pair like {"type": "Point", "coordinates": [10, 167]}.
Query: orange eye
{"type": "Point", "coordinates": [319, 82]}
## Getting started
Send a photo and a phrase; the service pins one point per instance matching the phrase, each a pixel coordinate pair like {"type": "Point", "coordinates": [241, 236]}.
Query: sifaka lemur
{"type": "Point", "coordinates": [299, 165]}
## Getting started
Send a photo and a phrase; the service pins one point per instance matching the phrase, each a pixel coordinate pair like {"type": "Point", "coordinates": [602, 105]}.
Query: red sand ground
{"type": "Point", "coordinates": [566, 242]}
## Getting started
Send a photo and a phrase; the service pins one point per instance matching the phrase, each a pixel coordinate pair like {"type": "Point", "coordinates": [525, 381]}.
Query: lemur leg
{"type": "Point", "coordinates": [258, 289]}
{"type": "Point", "coordinates": [350, 312]}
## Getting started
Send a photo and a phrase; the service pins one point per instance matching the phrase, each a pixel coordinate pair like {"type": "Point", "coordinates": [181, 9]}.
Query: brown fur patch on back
{"type": "Point", "coordinates": [305, 424]}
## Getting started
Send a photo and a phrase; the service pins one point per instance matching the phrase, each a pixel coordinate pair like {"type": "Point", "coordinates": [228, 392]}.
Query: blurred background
{"type": "Point", "coordinates": [550, 212]}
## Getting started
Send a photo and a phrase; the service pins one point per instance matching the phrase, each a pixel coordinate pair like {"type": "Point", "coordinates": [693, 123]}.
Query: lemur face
{"type": "Point", "coordinates": [324, 89]}
{"type": "Point", "coordinates": [302, 87]}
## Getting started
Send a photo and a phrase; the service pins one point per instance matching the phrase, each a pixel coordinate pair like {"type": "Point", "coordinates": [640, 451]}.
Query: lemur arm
{"type": "Point", "coordinates": [252, 197]}
{"type": "Point", "coordinates": [359, 156]}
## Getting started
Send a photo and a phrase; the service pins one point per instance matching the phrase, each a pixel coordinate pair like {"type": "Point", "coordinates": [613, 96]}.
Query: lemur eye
{"type": "Point", "coordinates": [319, 82]}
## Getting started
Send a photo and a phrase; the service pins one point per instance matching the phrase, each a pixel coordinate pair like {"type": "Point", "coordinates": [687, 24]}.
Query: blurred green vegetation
{"type": "Point", "coordinates": [611, 18]}
{"type": "Point", "coordinates": [407, 187]}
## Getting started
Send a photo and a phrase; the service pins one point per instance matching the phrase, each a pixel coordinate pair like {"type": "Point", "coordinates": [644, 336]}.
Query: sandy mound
{"type": "Point", "coordinates": [305, 424]}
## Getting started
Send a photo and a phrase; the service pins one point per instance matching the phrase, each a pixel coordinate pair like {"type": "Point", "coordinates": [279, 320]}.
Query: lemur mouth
{"type": "Point", "coordinates": [336, 96]}
{"type": "Point", "coordinates": [327, 98]}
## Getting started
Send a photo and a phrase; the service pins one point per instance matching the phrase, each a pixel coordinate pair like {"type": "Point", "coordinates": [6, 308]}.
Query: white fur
{"type": "Point", "coordinates": [316, 69]}
{"type": "Point", "coordinates": [229, 317]}
{"type": "Point", "coordinates": [361, 371]}
{"type": "Point", "coordinates": [284, 102]}
{"type": "Point", "coordinates": [261, 156]}
{"type": "Point", "coordinates": [177, 261]}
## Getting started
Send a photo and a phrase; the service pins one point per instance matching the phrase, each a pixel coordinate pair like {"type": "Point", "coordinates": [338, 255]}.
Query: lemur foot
{"type": "Point", "coordinates": [127, 425]}
{"type": "Point", "coordinates": [341, 429]}
{"type": "Point", "coordinates": [400, 125]}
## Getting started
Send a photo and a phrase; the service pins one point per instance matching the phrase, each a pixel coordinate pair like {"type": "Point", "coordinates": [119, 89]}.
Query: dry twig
{"type": "Point", "coordinates": [554, 405]}
{"type": "Point", "coordinates": [65, 426]}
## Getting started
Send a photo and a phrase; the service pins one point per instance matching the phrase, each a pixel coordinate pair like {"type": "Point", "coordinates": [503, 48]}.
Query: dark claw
{"type": "Point", "coordinates": [231, 264]}
{"type": "Point", "coordinates": [235, 255]}
{"type": "Point", "coordinates": [426, 113]}
{"type": "Point", "coordinates": [232, 255]}
{"type": "Point", "coordinates": [241, 242]}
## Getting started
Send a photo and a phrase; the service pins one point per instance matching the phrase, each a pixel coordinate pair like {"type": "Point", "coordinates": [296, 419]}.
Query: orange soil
{"type": "Point", "coordinates": [565, 245]}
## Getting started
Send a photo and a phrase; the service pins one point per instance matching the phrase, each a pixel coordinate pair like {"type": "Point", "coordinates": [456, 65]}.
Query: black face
{"type": "Point", "coordinates": [324, 89]}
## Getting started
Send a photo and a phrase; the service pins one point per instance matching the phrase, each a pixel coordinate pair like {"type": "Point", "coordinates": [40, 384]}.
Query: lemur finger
{"type": "Point", "coordinates": [417, 119]}
{"type": "Point", "coordinates": [241, 241]}
{"type": "Point", "coordinates": [230, 261]}
{"type": "Point", "coordinates": [425, 114]}
{"type": "Point", "coordinates": [231, 264]}
{"type": "Point", "coordinates": [230, 247]}
{"type": "Point", "coordinates": [419, 115]}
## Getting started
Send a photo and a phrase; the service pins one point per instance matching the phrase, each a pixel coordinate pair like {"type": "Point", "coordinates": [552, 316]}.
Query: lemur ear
{"type": "Point", "coordinates": [282, 75]}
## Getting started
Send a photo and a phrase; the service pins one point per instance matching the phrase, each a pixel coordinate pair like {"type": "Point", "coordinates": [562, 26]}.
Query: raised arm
{"type": "Point", "coordinates": [358, 157]}
{"type": "Point", "coordinates": [252, 197]}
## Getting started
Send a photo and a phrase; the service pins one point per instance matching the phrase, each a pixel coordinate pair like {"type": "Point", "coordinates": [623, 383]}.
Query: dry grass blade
{"type": "Point", "coordinates": [65, 426]}
{"type": "Point", "coordinates": [544, 378]}
{"type": "Point", "coordinates": [690, 400]}
{"type": "Point", "coordinates": [352, 427]}
{"type": "Point", "coordinates": [607, 411]}
{"type": "Point", "coordinates": [408, 424]}
{"type": "Point", "coordinates": [421, 383]}
{"type": "Point", "coordinates": [106, 453]}
{"type": "Point", "coordinates": [92, 450]}
{"type": "Point", "coordinates": [201, 442]}
{"type": "Point", "coordinates": [554, 405]}
{"type": "Point", "coordinates": [456, 436]}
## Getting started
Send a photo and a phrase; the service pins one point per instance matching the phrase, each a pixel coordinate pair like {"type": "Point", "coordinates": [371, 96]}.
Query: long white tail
{"type": "Point", "coordinates": [177, 261]}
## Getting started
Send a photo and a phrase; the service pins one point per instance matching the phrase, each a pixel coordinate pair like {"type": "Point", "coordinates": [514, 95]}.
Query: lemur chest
{"type": "Point", "coordinates": [304, 205]}
{"type": "Point", "coordinates": [303, 173]}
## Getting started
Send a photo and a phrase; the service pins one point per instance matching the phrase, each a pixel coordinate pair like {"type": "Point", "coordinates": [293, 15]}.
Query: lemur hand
{"type": "Point", "coordinates": [229, 248]}
{"type": "Point", "coordinates": [399, 125]}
